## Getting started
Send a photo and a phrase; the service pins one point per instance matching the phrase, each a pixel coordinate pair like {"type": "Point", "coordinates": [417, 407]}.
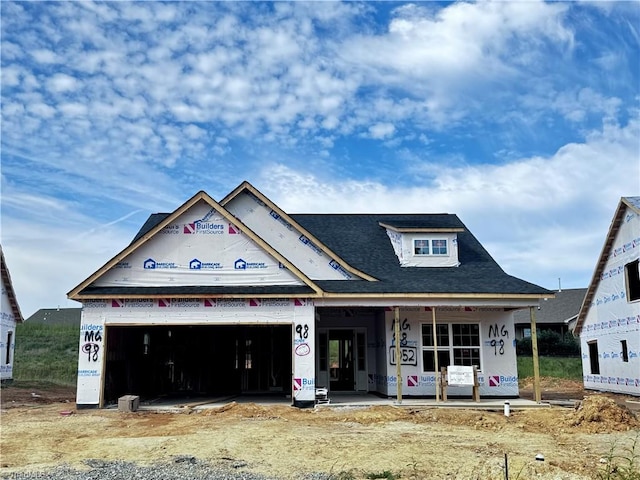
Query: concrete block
{"type": "Point", "coordinates": [128, 403]}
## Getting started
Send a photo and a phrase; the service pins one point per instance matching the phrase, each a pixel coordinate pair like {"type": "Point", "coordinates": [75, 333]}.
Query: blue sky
{"type": "Point", "coordinates": [520, 117]}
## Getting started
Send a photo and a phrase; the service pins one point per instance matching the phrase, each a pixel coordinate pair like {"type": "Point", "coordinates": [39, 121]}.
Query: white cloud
{"type": "Point", "coordinates": [461, 44]}
{"type": "Point", "coordinates": [41, 110]}
{"type": "Point", "coordinates": [54, 260]}
{"type": "Point", "coordinates": [540, 217]}
{"type": "Point", "coordinates": [146, 99]}
{"type": "Point", "coordinates": [10, 76]}
{"type": "Point", "coordinates": [576, 105]}
{"type": "Point", "coordinates": [45, 56]}
{"type": "Point", "coordinates": [381, 130]}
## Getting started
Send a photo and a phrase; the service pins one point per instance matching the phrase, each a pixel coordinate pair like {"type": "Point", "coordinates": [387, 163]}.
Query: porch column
{"type": "Point", "coordinates": [396, 318]}
{"type": "Point", "coordinates": [537, 394]}
{"type": "Point", "coordinates": [435, 353]}
{"type": "Point", "coordinates": [304, 356]}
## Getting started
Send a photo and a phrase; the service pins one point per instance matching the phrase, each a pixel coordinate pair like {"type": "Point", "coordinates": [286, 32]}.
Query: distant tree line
{"type": "Point", "coordinates": [550, 344]}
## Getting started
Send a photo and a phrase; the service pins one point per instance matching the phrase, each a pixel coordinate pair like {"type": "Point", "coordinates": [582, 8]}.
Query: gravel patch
{"type": "Point", "coordinates": [180, 468]}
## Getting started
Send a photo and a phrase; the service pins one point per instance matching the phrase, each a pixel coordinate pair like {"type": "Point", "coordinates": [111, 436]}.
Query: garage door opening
{"type": "Point", "coordinates": [174, 360]}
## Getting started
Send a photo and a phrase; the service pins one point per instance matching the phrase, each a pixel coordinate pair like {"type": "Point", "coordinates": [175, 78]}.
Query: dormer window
{"type": "Point", "coordinates": [432, 242]}
{"type": "Point", "coordinates": [421, 247]}
{"type": "Point", "coordinates": [439, 247]}
{"type": "Point", "coordinates": [430, 247]}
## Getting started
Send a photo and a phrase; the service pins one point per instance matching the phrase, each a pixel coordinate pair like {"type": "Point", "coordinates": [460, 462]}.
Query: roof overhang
{"type": "Point", "coordinates": [421, 229]}
{"type": "Point", "coordinates": [322, 299]}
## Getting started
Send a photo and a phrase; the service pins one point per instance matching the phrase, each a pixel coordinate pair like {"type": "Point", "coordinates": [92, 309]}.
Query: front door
{"type": "Point", "coordinates": [341, 364]}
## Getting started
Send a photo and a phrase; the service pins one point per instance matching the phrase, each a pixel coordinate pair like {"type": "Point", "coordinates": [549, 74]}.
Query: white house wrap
{"type": "Point", "coordinates": [609, 321]}
{"type": "Point", "coordinates": [239, 297]}
{"type": "Point", "coordinates": [10, 316]}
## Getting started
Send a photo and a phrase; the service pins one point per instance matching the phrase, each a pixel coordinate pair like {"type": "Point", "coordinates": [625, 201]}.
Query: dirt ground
{"type": "Point", "coordinates": [41, 428]}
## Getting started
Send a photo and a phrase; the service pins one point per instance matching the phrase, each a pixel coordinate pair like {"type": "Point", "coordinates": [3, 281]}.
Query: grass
{"type": "Point", "coordinates": [46, 353]}
{"type": "Point", "coordinates": [569, 368]}
{"type": "Point", "coordinates": [622, 462]}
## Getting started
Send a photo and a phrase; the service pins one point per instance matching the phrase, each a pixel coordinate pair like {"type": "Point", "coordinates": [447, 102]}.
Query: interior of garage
{"type": "Point", "coordinates": [156, 362]}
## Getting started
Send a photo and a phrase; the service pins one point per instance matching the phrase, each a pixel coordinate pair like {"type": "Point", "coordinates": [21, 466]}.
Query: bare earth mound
{"type": "Point", "coordinates": [600, 414]}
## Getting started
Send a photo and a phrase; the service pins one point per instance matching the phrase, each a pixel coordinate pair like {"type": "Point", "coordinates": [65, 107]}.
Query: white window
{"type": "Point", "coordinates": [421, 247]}
{"type": "Point", "coordinates": [458, 344]}
{"type": "Point", "coordinates": [439, 247]}
{"type": "Point", "coordinates": [430, 247]}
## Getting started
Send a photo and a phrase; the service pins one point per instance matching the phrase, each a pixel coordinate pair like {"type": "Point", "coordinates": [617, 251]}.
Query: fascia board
{"type": "Point", "coordinates": [97, 296]}
{"type": "Point", "coordinates": [523, 296]}
{"type": "Point", "coordinates": [421, 229]}
{"type": "Point", "coordinates": [513, 300]}
{"type": "Point", "coordinates": [427, 301]}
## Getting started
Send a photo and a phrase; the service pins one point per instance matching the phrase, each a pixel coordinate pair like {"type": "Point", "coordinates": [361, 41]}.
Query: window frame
{"type": "Point", "coordinates": [594, 357]}
{"type": "Point", "coordinates": [624, 354]}
{"type": "Point", "coordinates": [425, 245]}
{"type": "Point", "coordinates": [632, 280]}
{"type": "Point", "coordinates": [451, 348]}
{"type": "Point", "coordinates": [428, 245]}
{"type": "Point", "coordinates": [8, 359]}
{"type": "Point", "coordinates": [439, 253]}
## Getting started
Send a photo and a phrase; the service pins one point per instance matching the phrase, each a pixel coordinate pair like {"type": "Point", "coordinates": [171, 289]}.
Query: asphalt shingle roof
{"type": "Point", "coordinates": [360, 241]}
{"type": "Point", "coordinates": [363, 243]}
{"type": "Point", "coordinates": [56, 316]}
{"type": "Point", "coordinates": [564, 306]}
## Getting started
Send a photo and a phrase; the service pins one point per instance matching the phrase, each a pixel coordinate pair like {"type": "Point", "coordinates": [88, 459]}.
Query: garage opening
{"type": "Point", "coordinates": [161, 361]}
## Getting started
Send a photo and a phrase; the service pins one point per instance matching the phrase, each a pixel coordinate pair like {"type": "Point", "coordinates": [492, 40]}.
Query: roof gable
{"type": "Point", "coordinates": [8, 291]}
{"type": "Point", "coordinates": [631, 203]}
{"type": "Point", "coordinates": [191, 219]}
{"type": "Point", "coordinates": [299, 244]}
